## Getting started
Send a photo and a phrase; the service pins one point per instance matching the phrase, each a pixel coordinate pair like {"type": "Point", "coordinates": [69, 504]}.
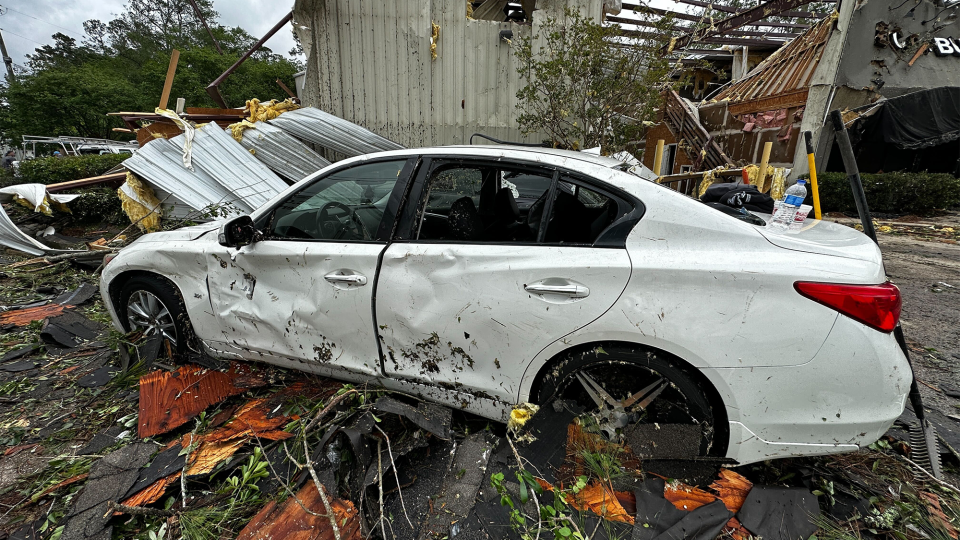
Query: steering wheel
{"type": "Point", "coordinates": [333, 228]}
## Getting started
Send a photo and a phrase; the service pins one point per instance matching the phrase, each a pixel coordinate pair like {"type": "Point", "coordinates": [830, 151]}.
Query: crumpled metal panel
{"type": "Point", "coordinates": [315, 126]}
{"type": "Point", "coordinates": [222, 171]}
{"type": "Point", "coordinates": [281, 152]}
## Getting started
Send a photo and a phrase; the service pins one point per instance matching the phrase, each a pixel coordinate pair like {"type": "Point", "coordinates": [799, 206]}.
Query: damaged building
{"type": "Point", "coordinates": [893, 71]}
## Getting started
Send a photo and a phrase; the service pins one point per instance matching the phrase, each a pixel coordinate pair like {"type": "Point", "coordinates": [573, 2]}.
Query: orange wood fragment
{"type": "Point", "coordinates": [151, 493]}
{"type": "Point", "coordinates": [937, 517]}
{"type": "Point", "coordinates": [170, 399]}
{"type": "Point", "coordinates": [686, 497]}
{"type": "Point", "coordinates": [599, 500]}
{"type": "Point", "coordinates": [252, 420]}
{"type": "Point", "coordinates": [736, 530]}
{"type": "Point", "coordinates": [291, 522]}
{"type": "Point", "coordinates": [12, 451]}
{"type": "Point", "coordinates": [55, 487]}
{"type": "Point", "coordinates": [25, 316]}
{"type": "Point", "coordinates": [732, 489]}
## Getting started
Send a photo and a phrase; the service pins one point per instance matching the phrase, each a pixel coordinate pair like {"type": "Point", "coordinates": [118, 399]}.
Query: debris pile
{"type": "Point", "coordinates": [107, 435]}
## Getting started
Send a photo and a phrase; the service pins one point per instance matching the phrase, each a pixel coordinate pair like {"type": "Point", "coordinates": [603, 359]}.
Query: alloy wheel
{"type": "Point", "coordinates": [148, 313]}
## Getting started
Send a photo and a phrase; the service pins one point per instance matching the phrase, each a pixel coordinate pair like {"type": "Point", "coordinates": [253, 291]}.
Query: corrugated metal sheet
{"type": "Point", "coordinates": [223, 172]}
{"type": "Point", "coordinates": [370, 63]}
{"type": "Point", "coordinates": [782, 79]}
{"type": "Point", "coordinates": [281, 152]}
{"type": "Point", "coordinates": [346, 138]}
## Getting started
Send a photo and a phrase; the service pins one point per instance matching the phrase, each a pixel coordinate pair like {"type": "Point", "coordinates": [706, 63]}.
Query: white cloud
{"type": "Point", "coordinates": [29, 23]}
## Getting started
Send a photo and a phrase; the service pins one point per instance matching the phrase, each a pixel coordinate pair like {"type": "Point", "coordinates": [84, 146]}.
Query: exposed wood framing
{"type": "Point", "coordinates": [773, 7]}
{"type": "Point", "coordinates": [782, 79]}
{"type": "Point", "coordinates": [691, 135]}
{"type": "Point", "coordinates": [726, 9]}
{"type": "Point", "coordinates": [737, 33]}
{"type": "Point", "coordinates": [696, 18]}
{"type": "Point", "coordinates": [796, 98]}
{"type": "Point", "coordinates": [750, 42]}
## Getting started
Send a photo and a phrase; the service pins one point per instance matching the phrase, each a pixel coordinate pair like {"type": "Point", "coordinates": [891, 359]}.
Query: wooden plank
{"type": "Point", "coordinates": [168, 82]}
{"type": "Point", "coordinates": [784, 101]}
{"type": "Point", "coordinates": [213, 111]}
{"type": "Point", "coordinates": [91, 181]}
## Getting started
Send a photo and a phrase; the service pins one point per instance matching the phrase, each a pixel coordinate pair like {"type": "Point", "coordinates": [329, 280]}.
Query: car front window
{"type": "Point", "coordinates": [346, 205]}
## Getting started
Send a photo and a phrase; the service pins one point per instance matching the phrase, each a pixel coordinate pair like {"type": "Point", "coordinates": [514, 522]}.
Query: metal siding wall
{"type": "Point", "coordinates": [371, 64]}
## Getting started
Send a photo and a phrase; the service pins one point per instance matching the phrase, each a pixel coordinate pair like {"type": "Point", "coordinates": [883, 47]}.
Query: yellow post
{"type": "Point", "coordinates": [168, 83]}
{"type": "Point", "coordinates": [764, 159]}
{"type": "Point", "coordinates": [812, 165]}
{"type": "Point", "coordinates": [658, 158]}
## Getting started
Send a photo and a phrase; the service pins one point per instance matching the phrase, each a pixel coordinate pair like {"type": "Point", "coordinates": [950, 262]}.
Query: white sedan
{"type": "Point", "coordinates": [485, 276]}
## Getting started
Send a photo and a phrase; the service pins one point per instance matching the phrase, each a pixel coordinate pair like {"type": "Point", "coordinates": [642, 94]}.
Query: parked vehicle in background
{"type": "Point", "coordinates": [484, 276]}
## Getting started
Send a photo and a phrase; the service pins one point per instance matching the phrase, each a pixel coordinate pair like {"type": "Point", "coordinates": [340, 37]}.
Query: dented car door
{"type": "Point", "coordinates": [302, 295]}
{"type": "Point", "coordinates": [479, 282]}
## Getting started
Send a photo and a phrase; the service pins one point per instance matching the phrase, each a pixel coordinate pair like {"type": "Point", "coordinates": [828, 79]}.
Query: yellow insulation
{"type": "Point", "coordinates": [434, 39]}
{"type": "Point", "coordinates": [261, 112]}
{"type": "Point", "coordinates": [146, 217]}
{"type": "Point", "coordinates": [237, 129]}
{"type": "Point", "coordinates": [709, 178]}
{"type": "Point", "coordinates": [753, 172]}
{"type": "Point", "coordinates": [777, 177]}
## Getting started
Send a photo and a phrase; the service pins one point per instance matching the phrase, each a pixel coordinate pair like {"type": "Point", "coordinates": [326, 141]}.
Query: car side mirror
{"type": "Point", "coordinates": [237, 232]}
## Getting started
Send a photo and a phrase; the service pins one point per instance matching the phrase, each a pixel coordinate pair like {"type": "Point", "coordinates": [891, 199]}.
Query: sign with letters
{"type": "Point", "coordinates": [943, 46]}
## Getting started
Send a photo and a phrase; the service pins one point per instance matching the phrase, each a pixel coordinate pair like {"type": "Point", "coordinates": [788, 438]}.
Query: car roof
{"type": "Point", "coordinates": [529, 152]}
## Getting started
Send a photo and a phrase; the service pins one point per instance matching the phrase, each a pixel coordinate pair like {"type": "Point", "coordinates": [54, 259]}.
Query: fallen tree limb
{"type": "Point", "coordinates": [137, 510]}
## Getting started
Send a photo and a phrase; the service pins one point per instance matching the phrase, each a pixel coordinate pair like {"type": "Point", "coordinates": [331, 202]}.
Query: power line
{"type": "Point", "coordinates": [22, 37]}
{"type": "Point", "coordinates": [36, 18]}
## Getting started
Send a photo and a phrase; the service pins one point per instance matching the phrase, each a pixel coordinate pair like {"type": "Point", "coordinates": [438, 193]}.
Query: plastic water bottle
{"type": "Point", "coordinates": [787, 212]}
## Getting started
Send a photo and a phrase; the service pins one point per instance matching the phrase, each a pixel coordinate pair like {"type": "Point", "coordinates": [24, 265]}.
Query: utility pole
{"type": "Point", "coordinates": [3, 50]}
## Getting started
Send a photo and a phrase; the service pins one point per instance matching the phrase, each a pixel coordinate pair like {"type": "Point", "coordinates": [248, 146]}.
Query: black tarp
{"type": "Point", "coordinates": [914, 121]}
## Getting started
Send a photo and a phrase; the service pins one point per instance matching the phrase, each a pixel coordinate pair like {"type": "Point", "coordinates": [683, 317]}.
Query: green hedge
{"type": "Point", "coordinates": [53, 170]}
{"type": "Point", "coordinates": [891, 193]}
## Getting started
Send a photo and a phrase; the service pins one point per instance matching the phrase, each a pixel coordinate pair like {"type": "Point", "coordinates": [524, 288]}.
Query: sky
{"type": "Point", "coordinates": [27, 24]}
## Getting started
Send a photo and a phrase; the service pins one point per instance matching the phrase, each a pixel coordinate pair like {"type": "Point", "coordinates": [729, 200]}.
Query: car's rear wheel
{"type": "Point", "coordinates": [621, 386]}
{"type": "Point", "coordinates": [154, 307]}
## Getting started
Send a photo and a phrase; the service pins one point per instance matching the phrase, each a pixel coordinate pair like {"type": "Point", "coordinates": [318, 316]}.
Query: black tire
{"type": "Point", "coordinates": [623, 371]}
{"type": "Point", "coordinates": [170, 298]}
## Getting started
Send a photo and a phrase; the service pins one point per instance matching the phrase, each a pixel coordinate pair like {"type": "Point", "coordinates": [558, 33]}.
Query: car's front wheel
{"type": "Point", "coordinates": [154, 307]}
{"type": "Point", "coordinates": [622, 386]}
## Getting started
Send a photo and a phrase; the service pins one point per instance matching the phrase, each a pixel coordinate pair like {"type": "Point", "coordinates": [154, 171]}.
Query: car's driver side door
{"type": "Point", "coordinates": [303, 294]}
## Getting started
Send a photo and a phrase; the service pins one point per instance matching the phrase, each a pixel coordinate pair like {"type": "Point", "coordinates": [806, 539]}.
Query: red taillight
{"type": "Point", "coordinates": [108, 257]}
{"type": "Point", "coordinates": [877, 306]}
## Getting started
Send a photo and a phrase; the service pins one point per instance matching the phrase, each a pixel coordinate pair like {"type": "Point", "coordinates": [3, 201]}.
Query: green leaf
{"type": "Point", "coordinates": [565, 531]}
{"type": "Point", "coordinates": [524, 496]}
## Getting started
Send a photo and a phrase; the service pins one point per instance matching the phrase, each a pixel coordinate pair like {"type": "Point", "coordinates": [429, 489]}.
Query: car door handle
{"type": "Point", "coordinates": [348, 279]}
{"type": "Point", "coordinates": [573, 291]}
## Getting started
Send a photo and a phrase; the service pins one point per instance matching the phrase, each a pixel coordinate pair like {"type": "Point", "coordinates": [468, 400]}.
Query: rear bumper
{"type": "Point", "coordinates": [845, 398]}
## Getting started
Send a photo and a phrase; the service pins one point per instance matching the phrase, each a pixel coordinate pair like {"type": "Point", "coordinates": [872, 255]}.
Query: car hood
{"type": "Point", "coordinates": [182, 234]}
{"type": "Point", "coordinates": [825, 238]}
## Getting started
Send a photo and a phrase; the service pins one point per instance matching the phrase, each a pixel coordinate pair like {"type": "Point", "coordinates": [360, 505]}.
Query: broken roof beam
{"type": "Point", "coordinates": [737, 33]}
{"type": "Point", "coordinates": [696, 18]}
{"type": "Point", "coordinates": [213, 89]}
{"type": "Point", "coordinates": [725, 9]}
{"type": "Point", "coordinates": [774, 7]}
{"type": "Point", "coordinates": [750, 42]}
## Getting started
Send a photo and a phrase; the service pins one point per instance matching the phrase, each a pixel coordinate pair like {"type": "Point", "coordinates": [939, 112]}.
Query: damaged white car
{"type": "Point", "coordinates": [481, 277]}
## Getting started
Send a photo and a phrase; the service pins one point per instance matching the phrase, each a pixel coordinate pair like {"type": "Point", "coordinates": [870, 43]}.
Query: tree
{"type": "Point", "coordinates": [121, 65]}
{"type": "Point", "coordinates": [591, 85]}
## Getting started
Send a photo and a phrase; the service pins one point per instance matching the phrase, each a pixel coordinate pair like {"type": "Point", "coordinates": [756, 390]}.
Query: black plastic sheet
{"type": "Point", "coordinates": [914, 121]}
